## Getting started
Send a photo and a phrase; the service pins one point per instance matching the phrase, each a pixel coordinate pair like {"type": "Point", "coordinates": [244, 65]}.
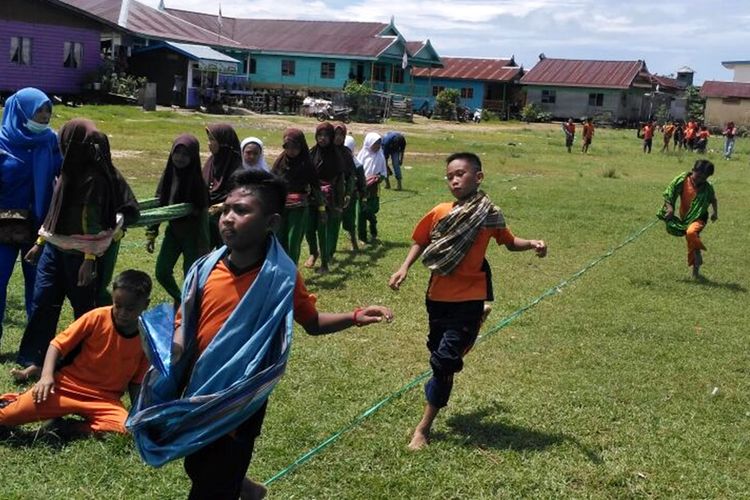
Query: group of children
{"type": "Point", "coordinates": [250, 283]}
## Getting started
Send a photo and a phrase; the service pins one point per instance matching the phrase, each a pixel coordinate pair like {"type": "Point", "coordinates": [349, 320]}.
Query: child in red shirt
{"type": "Point", "coordinates": [109, 360]}
{"type": "Point", "coordinates": [588, 134]}
{"type": "Point", "coordinates": [452, 240]}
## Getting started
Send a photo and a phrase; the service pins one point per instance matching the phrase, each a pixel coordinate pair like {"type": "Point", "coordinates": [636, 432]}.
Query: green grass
{"type": "Point", "coordinates": [603, 390]}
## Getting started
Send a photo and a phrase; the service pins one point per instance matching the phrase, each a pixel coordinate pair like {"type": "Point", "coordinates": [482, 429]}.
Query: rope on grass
{"type": "Point", "coordinates": [299, 461]}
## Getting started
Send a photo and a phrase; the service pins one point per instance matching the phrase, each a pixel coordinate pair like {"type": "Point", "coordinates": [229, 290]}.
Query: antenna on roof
{"type": "Point", "coordinates": [542, 57]}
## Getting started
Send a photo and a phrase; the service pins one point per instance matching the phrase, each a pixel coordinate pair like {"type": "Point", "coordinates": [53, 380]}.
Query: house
{"type": "Point", "coordinates": [668, 94]}
{"type": "Point", "coordinates": [490, 84]}
{"type": "Point", "coordinates": [726, 101]}
{"type": "Point", "coordinates": [44, 44]}
{"type": "Point", "coordinates": [606, 90]}
{"type": "Point", "coordinates": [741, 70]}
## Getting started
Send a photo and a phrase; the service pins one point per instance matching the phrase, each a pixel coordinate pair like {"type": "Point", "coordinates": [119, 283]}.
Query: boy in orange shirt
{"type": "Point", "coordinates": [109, 360]}
{"type": "Point", "coordinates": [588, 134]}
{"type": "Point", "coordinates": [219, 317]}
{"type": "Point", "coordinates": [452, 240]}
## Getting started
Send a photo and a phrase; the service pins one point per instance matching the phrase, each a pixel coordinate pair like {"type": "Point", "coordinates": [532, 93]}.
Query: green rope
{"type": "Point", "coordinates": [158, 214]}
{"type": "Point", "coordinates": [148, 203]}
{"type": "Point", "coordinates": [422, 376]}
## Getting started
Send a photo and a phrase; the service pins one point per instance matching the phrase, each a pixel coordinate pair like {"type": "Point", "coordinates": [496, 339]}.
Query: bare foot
{"type": "Point", "coordinates": [310, 262]}
{"type": "Point", "coordinates": [252, 490]}
{"type": "Point", "coordinates": [418, 441]}
{"type": "Point", "coordinates": [25, 374]}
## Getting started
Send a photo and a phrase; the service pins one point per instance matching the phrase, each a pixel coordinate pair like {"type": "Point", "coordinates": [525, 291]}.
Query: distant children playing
{"type": "Point", "coordinates": [569, 129]}
{"type": "Point", "coordinates": [231, 341]}
{"type": "Point", "coordinates": [646, 132]}
{"type": "Point", "coordinates": [692, 191]}
{"type": "Point", "coordinates": [373, 164]}
{"type": "Point", "coordinates": [108, 360]}
{"type": "Point", "coordinates": [452, 240]}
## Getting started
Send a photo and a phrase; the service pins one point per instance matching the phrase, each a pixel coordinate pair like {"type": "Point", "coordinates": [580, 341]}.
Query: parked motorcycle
{"type": "Point", "coordinates": [335, 114]}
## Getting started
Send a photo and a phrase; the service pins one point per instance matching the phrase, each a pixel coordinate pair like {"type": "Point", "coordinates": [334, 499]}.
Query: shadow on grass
{"type": "Point", "coordinates": [345, 265]}
{"type": "Point", "coordinates": [473, 430]}
{"type": "Point", "coordinates": [709, 283]}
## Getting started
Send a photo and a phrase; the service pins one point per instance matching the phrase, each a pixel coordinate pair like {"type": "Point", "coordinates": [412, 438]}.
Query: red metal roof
{"type": "Point", "coordinates": [290, 36]}
{"type": "Point", "coordinates": [666, 82]}
{"type": "Point", "coordinates": [468, 68]}
{"type": "Point", "coordinates": [147, 21]}
{"type": "Point", "coordinates": [712, 88]}
{"type": "Point", "coordinates": [584, 73]}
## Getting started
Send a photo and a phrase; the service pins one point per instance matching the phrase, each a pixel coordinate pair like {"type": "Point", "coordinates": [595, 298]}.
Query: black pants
{"type": "Point", "coordinates": [218, 469]}
{"type": "Point", "coordinates": [453, 330]}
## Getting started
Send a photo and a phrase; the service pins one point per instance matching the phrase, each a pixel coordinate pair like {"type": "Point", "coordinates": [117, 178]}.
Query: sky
{"type": "Point", "coordinates": [667, 34]}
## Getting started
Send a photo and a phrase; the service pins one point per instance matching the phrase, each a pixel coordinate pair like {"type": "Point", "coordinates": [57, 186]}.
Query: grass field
{"type": "Point", "coordinates": [630, 380]}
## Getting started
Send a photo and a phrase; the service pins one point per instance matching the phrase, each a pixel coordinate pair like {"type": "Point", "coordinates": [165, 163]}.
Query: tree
{"type": "Point", "coordinates": [446, 102]}
{"type": "Point", "coordinates": [696, 105]}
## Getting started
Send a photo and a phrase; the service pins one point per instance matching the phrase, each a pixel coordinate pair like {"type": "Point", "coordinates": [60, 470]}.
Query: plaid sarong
{"type": "Point", "coordinates": [453, 235]}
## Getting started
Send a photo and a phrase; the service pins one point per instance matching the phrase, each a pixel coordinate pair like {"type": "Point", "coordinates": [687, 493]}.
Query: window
{"type": "Point", "coordinates": [378, 73]}
{"type": "Point", "coordinates": [287, 67]}
{"type": "Point", "coordinates": [72, 54]}
{"type": "Point", "coordinates": [548, 96]}
{"type": "Point", "coordinates": [20, 50]}
{"type": "Point", "coordinates": [467, 93]}
{"type": "Point", "coordinates": [327, 70]}
{"type": "Point", "coordinates": [436, 89]}
{"type": "Point", "coordinates": [398, 75]}
{"type": "Point", "coordinates": [596, 99]}
{"type": "Point", "coordinates": [731, 100]}
{"type": "Point", "coordinates": [253, 66]}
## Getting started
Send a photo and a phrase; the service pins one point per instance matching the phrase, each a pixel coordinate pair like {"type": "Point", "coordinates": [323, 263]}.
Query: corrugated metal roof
{"type": "Point", "coordinates": [666, 82]}
{"type": "Point", "coordinates": [467, 68]}
{"type": "Point", "coordinates": [304, 37]}
{"type": "Point", "coordinates": [147, 21]}
{"type": "Point", "coordinates": [713, 88]}
{"type": "Point", "coordinates": [584, 73]}
{"type": "Point", "coordinates": [201, 52]}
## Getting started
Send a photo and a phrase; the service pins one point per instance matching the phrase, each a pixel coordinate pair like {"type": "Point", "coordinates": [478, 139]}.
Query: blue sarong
{"type": "Point", "coordinates": [187, 404]}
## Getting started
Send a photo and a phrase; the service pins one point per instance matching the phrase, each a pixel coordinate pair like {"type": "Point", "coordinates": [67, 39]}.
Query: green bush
{"type": "Point", "coordinates": [446, 102]}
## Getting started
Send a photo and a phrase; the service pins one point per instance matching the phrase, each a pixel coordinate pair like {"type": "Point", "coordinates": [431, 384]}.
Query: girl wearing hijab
{"type": "Point", "coordinates": [181, 182]}
{"type": "Point", "coordinates": [373, 162]}
{"type": "Point", "coordinates": [90, 204]}
{"type": "Point", "coordinates": [325, 221]}
{"type": "Point", "coordinates": [224, 160]}
{"type": "Point", "coordinates": [354, 183]}
{"type": "Point", "coordinates": [252, 154]}
{"type": "Point", "coordinates": [303, 190]}
{"type": "Point", "coordinates": [29, 162]}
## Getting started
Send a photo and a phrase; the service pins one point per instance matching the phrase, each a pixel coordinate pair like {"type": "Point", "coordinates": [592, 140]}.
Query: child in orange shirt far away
{"type": "Point", "coordinates": [109, 360]}
{"type": "Point", "coordinates": [668, 130]}
{"type": "Point", "coordinates": [452, 240]}
{"type": "Point", "coordinates": [647, 134]}
{"type": "Point", "coordinates": [569, 129]}
{"type": "Point", "coordinates": [588, 134]}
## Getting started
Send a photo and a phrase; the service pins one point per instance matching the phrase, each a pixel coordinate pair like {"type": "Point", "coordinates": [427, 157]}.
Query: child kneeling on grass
{"type": "Point", "coordinates": [452, 240]}
{"type": "Point", "coordinates": [230, 343]}
{"type": "Point", "coordinates": [109, 360]}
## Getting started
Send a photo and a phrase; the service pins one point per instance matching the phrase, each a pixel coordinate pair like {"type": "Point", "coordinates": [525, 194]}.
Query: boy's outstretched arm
{"type": "Point", "coordinates": [400, 276]}
{"type": "Point", "coordinates": [520, 245]}
{"type": "Point", "coordinates": [335, 322]}
{"type": "Point", "coordinates": [46, 384]}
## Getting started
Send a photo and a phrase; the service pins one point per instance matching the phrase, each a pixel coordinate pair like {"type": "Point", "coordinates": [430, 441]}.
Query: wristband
{"type": "Point", "coordinates": [354, 317]}
{"type": "Point", "coordinates": [89, 256]}
{"type": "Point", "coordinates": [40, 241]}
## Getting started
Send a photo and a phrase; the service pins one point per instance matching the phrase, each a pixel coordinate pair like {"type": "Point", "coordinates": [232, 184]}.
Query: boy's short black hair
{"type": "Point", "coordinates": [134, 281]}
{"type": "Point", "coordinates": [269, 188]}
{"type": "Point", "coordinates": [704, 167]}
{"type": "Point", "coordinates": [473, 160]}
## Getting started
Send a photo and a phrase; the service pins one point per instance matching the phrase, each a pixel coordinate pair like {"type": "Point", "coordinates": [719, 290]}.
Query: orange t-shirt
{"type": "Point", "coordinates": [689, 192]}
{"type": "Point", "coordinates": [588, 131]}
{"type": "Point", "coordinates": [648, 132]}
{"type": "Point", "coordinates": [467, 281]}
{"type": "Point", "coordinates": [107, 361]}
{"type": "Point", "coordinates": [224, 290]}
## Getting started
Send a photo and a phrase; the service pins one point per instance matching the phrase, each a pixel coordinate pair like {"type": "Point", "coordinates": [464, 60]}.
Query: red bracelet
{"type": "Point", "coordinates": [354, 317]}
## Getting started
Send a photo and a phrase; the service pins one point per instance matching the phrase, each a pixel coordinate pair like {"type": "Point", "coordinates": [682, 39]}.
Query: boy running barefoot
{"type": "Point", "coordinates": [452, 240]}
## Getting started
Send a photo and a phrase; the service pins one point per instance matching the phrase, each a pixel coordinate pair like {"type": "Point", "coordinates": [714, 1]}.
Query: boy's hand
{"type": "Point", "coordinates": [539, 247]}
{"type": "Point", "coordinates": [150, 245]}
{"type": "Point", "coordinates": [43, 388]}
{"type": "Point", "coordinates": [714, 217]}
{"type": "Point", "coordinates": [397, 278]}
{"type": "Point", "coordinates": [373, 314]}
{"type": "Point", "coordinates": [86, 273]}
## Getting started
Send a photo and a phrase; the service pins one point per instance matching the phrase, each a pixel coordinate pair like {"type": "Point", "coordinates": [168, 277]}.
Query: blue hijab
{"type": "Point", "coordinates": [187, 404]}
{"type": "Point", "coordinates": [16, 139]}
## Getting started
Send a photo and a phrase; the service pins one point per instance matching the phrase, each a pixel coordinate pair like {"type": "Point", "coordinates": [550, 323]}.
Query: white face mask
{"type": "Point", "coordinates": [36, 127]}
